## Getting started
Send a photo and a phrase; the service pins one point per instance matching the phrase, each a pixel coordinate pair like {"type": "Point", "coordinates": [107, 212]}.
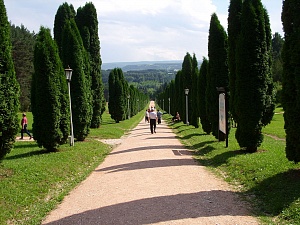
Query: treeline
{"type": "Point", "coordinates": [39, 62]}
{"type": "Point", "coordinates": [147, 81]}
{"type": "Point", "coordinates": [124, 100]}
{"type": "Point", "coordinates": [240, 66]}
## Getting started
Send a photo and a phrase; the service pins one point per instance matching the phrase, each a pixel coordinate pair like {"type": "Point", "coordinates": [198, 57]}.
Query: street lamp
{"type": "Point", "coordinates": [68, 73]}
{"type": "Point", "coordinates": [169, 106]}
{"type": "Point", "coordinates": [128, 97]}
{"type": "Point", "coordinates": [138, 101]}
{"type": "Point", "coordinates": [186, 91]}
{"type": "Point", "coordinates": [163, 104]}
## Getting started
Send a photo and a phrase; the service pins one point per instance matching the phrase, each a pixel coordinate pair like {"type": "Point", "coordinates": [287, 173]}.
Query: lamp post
{"type": "Point", "coordinates": [186, 91]}
{"type": "Point", "coordinates": [164, 104]}
{"type": "Point", "coordinates": [128, 97]}
{"type": "Point", "coordinates": [169, 106]}
{"type": "Point", "coordinates": [68, 73]}
{"type": "Point", "coordinates": [138, 101]}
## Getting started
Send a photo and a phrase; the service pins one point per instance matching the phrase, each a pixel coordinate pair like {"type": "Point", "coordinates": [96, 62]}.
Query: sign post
{"type": "Point", "coordinates": [223, 117]}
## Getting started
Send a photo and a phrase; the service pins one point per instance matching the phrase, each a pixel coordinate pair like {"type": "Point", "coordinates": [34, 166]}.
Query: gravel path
{"type": "Point", "coordinates": [151, 179]}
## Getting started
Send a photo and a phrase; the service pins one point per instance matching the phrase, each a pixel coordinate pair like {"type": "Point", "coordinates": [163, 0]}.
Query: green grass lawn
{"type": "Point", "coordinates": [266, 178]}
{"type": "Point", "coordinates": [276, 129]}
{"type": "Point", "coordinates": [33, 182]}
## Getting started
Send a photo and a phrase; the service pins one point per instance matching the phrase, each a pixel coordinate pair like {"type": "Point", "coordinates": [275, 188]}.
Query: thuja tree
{"type": "Point", "coordinates": [186, 73]}
{"type": "Point", "coordinates": [49, 94]}
{"type": "Point", "coordinates": [112, 104]}
{"type": "Point", "coordinates": [217, 71]}
{"type": "Point", "coordinates": [178, 103]}
{"type": "Point", "coordinates": [234, 28]}
{"type": "Point", "coordinates": [291, 75]}
{"type": "Point", "coordinates": [74, 56]}
{"type": "Point", "coordinates": [253, 85]}
{"type": "Point", "coordinates": [194, 94]}
{"type": "Point", "coordinates": [87, 22]}
{"type": "Point", "coordinates": [9, 88]}
{"type": "Point", "coordinates": [117, 95]}
{"type": "Point", "coordinates": [202, 83]}
{"type": "Point", "coordinates": [64, 13]}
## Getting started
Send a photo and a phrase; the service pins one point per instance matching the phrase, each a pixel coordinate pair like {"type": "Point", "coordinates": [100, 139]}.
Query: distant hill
{"type": "Point", "coordinates": [144, 65]}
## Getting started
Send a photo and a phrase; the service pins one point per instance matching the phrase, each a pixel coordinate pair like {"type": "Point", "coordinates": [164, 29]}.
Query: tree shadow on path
{"type": "Point", "coordinates": [162, 209]}
{"type": "Point", "coordinates": [149, 164]}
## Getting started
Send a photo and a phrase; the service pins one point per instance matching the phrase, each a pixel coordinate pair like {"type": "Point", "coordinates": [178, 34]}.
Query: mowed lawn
{"type": "Point", "coordinates": [33, 182]}
{"type": "Point", "coordinates": [266, 178]}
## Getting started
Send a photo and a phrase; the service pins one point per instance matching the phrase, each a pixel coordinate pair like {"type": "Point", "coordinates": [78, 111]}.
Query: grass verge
{"type": "Point", "coordinates": [33, 182]}
{"type": "Point", "coordinates": [266, 178]}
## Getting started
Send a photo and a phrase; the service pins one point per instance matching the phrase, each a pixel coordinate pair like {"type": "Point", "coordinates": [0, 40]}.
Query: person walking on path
{"type": "Point", "coordinates": [153, 120]}
{"type": "Point", "coordinates": [24, 124]}
{"type": "Point", "coordinates": [159, 115]}
{"type": "Point", "coordinates": [147, 116]}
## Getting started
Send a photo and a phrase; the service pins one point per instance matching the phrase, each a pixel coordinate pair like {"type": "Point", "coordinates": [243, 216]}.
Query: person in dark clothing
{"type": "Point", "coordinates": [24, 123]}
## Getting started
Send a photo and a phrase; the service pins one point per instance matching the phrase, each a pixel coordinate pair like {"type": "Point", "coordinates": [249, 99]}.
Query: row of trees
{"type": "Point", "coordinates": [76, 45]}
{"type": "Point", "coordinates": [124, 100]}
{"type": "Point", "coordinates": [241, 64]}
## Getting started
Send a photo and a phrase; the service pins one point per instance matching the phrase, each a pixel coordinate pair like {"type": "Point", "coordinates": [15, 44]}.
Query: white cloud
{"type": "Point", "coordinates": [138, 30]}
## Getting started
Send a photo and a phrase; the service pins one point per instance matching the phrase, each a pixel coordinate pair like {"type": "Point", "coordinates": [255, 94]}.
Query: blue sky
{"type": "Point", "coordinates": [142, 30]}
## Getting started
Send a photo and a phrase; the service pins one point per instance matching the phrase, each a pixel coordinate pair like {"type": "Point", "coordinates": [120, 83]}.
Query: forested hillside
{"type": "Point", "coordinates": [147, 81]}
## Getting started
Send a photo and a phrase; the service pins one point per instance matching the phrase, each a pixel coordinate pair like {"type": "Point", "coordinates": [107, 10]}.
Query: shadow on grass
{"type": "Point", "coordinates": [221, 159]}
{"type": "Point", "coordinates": [192, 135]}
{"type": "Point", "coordinates": [27, 154]}
{"type": "Point", "coordinates": [278, 192]}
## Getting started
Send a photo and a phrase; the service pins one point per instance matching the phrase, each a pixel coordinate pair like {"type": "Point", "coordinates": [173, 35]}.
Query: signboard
{"type": "Point", "coordinates": [222, 113]}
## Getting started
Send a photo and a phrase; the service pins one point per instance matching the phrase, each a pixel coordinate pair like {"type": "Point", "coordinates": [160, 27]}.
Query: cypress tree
{"type": "Point", "coordinates": [74, 56]}
{"type": "Point", "coordinates": [194, 94]}
{"type": "Point", "coordinates": [49, 94]}
{"type": "Point", "coordinates": [64, 13]}
{"type": "Point", "coordinates": [291, 74]}
{"type": "Point", "coordinates": [234, 29]}
{"type": "Point", "coordinates": [87, 22]}
{"type": "Point", "coordinates": [121, 96]}
{"type": "Point", "coordinates": [9, 88]}
{"type": "Point", "coordinates": [179, 94]}
{"type": "Point", "coordinates": [187, 70]}
{"type": "Point", "coordinates": [253, 78]}
{"type": "Point", "coordinates": [112, 93]}
{"type": "Point", "coordinates": [202, 83]}
{"type": "Point", "coordinates": [217, 71]}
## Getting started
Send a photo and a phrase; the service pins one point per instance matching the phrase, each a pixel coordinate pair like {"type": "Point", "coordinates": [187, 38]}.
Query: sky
{"type": "Point", "coordinates": [142, 30]}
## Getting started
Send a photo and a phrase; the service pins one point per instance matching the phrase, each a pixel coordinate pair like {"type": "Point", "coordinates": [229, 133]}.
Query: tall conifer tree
{"type": "Point", "coordinates": [49, 94]}
{"type": "Point", "coordinates": [87, 22]}
{"type": "Point", "coordinates": [202, 83]}
{"type": "Point", "coordinates": [253, 79]}
{"type": "Point", "coordinates": [291, 78]}
{"type": "Point", "coordinates": [194, 93]}
{"type": "Point", "coordinates": [9, 88]}
{"type": "Point", "coordinates": [64, 13]}
{"type": "Point", "coordinates": [217, 71]}
{"type": "Point", "coordinates": [74, 56]}
{"type": "Point", "coordinates": [187, 70]}
{"type": "Point", "coordinates": [234, 29]}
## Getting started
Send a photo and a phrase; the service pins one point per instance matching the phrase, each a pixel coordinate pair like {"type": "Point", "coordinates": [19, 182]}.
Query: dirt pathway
{"type": "Point", "coordinates": [151, 179]}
